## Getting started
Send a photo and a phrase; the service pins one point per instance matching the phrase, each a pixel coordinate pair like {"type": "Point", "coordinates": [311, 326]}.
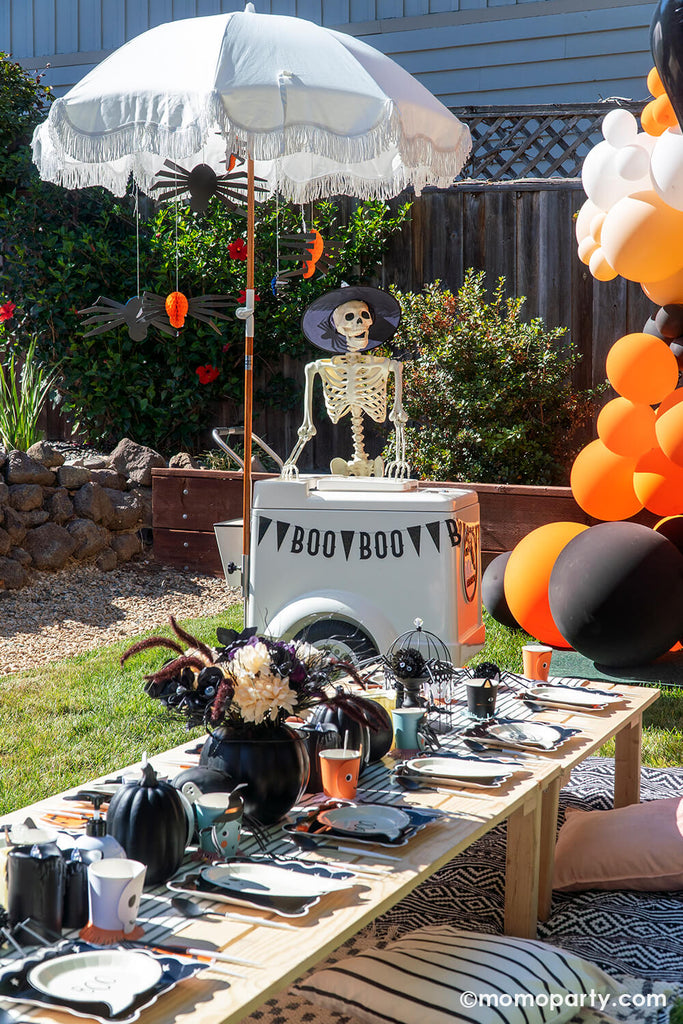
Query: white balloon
{"type": "Point", "coordinates": [619, 128]}
{"type": "Point", "coordinates": [666, 167]}
{"type": "Point", "coordinates": [602, 181]}
{"type": "Point", "coordinates": [632, 162]}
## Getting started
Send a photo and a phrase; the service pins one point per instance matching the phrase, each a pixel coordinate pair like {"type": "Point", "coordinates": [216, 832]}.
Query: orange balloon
{"type": "Point", "coordinates": [658, 482]}
{"type": "Point", "coordinates": [527, 575]}
{"type": "Point", "coordinates": [626, 428]}
{"type": "Point", "coordinates": [648, 122]}
{"type": "Point", "coordinates": [663, 112]}
{"type": "Point", "coordinates": [584, 218]}
{"type": "Point", "coordinates": [600, 268]}
{"type": "Point", "coordinates": [669, 427]}
{"type": "Point", "coordinates": [642, 368]}
{"type": "Point", "coordinates": [641, 237]}
{"type": "Point", "coordinates": [586, 248]}
{"type": "Point", "coordinates": [596, 225]}
{"type": "Point", "coordinates": [602, 483]}
{"type": "Point", "coordinates": [654, 83]}
{"type": "Point", "coordinates": [668, 292]}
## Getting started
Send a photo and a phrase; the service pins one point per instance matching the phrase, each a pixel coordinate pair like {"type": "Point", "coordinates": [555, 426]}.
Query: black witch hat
{"type": "Point", "coordinates": [318, 325]}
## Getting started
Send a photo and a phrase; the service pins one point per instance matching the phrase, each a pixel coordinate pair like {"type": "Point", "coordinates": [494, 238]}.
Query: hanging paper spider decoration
{"type": "Point", "coordinates": [311, 251]}
{"type": "Point", "coordinates": [205, 308]}
{"type": "Point", "coordinates": [202, 183]}
{"type": "Point", "coordinates": [108, 314]}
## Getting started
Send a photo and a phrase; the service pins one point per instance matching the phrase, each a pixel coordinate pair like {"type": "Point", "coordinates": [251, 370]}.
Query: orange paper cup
{"type": "Point", "coordinates": [339, 772]}
{"type": "Point", "coordinates": [536, 661]}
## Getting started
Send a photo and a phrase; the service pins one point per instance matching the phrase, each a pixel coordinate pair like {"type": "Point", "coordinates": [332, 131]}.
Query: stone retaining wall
{"type": "Point", "coordinates": [88, 510]}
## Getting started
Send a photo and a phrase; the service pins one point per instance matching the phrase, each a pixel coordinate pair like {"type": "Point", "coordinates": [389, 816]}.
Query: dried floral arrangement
{"type": "Point", "coordinates": [247, 680]}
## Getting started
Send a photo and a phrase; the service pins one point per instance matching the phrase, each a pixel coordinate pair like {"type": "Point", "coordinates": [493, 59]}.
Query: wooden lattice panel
{"type": "Point", "coordinates": [533, 142]}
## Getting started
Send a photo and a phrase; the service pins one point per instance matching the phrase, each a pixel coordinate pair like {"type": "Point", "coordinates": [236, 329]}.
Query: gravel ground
{"type": "Point", "coordinates": [81, 608]}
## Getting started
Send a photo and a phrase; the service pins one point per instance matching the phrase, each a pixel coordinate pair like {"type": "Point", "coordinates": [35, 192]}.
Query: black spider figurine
{"type": "Point", "coordinates": [202, 183]}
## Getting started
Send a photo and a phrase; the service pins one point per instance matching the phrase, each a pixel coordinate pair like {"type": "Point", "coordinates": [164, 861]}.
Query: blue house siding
{"type": "Point", "coordinates": [465, 51]}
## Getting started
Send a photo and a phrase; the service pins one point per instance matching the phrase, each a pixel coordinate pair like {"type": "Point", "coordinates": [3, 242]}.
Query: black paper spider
{"type": "Point", "coordinates": [108, 314]}
{"type": "Point", "coordinates": [202, 183]}
{"type": "Point", "coordinates": [206, 308]}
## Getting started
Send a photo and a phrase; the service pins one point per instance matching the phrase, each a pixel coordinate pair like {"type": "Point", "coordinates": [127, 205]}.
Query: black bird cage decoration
{"type": "Point", "coordinates": [418, 665]}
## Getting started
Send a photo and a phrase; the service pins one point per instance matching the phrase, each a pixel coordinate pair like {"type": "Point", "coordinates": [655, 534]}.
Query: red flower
{"type": "Point", "coordinates": [226, 346]}
{"type": "Point", "coordinates": [243, 297]}
{"type": "Point", "coordinates": [207, 373]}
{"type": "Point", "coordinates": [237, 250]}
{"type": "Point", "coordinates": [7, 311]}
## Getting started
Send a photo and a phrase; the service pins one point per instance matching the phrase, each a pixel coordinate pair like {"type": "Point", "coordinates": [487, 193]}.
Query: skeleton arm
{"type": "Point", "coordinates": [307, 430]}
{"type": "Point", "coordinates": [399, 417]}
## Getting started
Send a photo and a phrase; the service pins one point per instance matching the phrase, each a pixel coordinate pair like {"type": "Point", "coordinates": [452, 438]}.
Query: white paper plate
{"type": "Point", "coordinates": [451, 768]}
{"type": "Point", "coordinates": [366, 820]}
{"type": "Point", "coordinates": [113, 977]}
{"type": "Point", "coordinates": [271, 880]}
{"type": "Point", "coordinates": [529, 734]}
{"type": "Point", "coordinates": [573, 696]}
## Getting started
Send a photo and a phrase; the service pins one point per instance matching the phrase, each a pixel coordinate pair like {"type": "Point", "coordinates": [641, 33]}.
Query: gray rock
{"type": "Point", "coordinates": [4, 493]}
{"type": "Point", "coordinates": [126, 546]}
{"type": "Point", "coordinates": [145, 496]}
{"type": "Point", "coordinates": [12, 573]}
{"type": "Point", "coordinates": [127, 509]}
{"type": "Point", "coordinates": [106, 560]}
{"type": "Point", "coordinates": [35, 517]}
{"type": "Point", "coordinates": [109, 478]}
{"type": "Point", "coordinates": [94, 462]}
{"type": "Point", "coordinates": [92, 502]}
{"type": "Point", "coordinates": [72, 477]}
{"type": "Point", "coordinates": [60, 506]}
{"type": "Point", "coordinates": [90, 538]}
{"type": "Point", "coordinates": [3, 455]}
{"type": "Point", "coordinates": [13, 522]}
{"type": "Point", "coordinates": [20, 468]}
{"type": "Point", "coordinates": [183, 460]}
{"type": "Point", "coordinates": [45, 454]}
{"type": "Point", "coordinates": [21, 555]}
{"type": "Point", "coordinates": [5, 542]}
{"type": "Point", "coordinates": [136, 461]}
{"type": "Point", "coordinates": [50, 546]}
{"type": "Point", "coordinates": [25, 496]}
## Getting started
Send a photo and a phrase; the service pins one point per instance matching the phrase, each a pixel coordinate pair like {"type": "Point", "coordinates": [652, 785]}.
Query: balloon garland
{"type": "Point", "coordinates": [615, 591]}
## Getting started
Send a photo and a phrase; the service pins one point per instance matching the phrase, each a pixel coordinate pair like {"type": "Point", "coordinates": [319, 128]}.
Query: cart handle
{"type": "Point", "coordinates": [218, 438]}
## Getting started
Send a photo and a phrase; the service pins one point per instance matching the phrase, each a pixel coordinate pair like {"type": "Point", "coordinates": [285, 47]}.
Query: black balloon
{"type": "Point", "coordinates": [669, 322]}
{"type": "Point", "coordinates": [493, 594]}
{"type": "Point", "coordinates": [677, 349]}
{"type": "Point", "coordinates": [651, 328]}
{"type": "Point", "coordinates": [616, 594]}
{"type": "Point", "coordinates": [672, 529]}
{"type": "Point", "coordinates": [666, 43]}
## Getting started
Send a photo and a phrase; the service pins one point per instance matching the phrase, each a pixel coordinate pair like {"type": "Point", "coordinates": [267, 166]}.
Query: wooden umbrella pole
{"type": "Point", "coordinates": [248, 384]}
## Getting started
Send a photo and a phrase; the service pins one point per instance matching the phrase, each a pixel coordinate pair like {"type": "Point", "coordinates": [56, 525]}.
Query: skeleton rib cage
{"type": "Point", "coordinates": [349, 383]}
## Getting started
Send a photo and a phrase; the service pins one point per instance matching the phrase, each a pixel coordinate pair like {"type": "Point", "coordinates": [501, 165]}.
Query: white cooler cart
{"type": "Point", "coordinates": [354, 561]}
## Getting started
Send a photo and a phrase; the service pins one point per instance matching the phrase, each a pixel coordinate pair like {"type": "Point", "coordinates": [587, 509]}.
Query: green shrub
{"type": "Point", "coordinates": [490, 396]}
{"type": "Point", "coordinates": [61, 250]}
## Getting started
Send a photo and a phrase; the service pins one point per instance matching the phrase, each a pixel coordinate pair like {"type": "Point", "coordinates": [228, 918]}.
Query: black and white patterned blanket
{"type": "Point", "coordinates": [638, 935]}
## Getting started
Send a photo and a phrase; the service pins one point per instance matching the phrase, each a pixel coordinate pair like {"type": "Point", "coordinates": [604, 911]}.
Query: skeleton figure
{"type": "Point", "coordinates": [353, 383]}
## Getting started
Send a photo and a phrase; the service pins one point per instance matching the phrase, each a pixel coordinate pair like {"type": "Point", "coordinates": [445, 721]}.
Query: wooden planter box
{"type": "Point", "coordinates": [187, 502]}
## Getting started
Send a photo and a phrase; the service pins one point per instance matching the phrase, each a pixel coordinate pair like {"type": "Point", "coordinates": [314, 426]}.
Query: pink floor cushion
{"type": "Point", "coordinates": [636, 847]}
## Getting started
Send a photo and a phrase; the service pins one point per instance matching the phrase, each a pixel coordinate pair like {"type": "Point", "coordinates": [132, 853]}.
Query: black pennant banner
{"type": "Point", "coordinates": [378, 544]}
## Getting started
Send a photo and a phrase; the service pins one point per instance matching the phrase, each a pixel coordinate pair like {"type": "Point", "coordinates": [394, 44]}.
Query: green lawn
{"type": "Point", "coordinates": [78, 718]}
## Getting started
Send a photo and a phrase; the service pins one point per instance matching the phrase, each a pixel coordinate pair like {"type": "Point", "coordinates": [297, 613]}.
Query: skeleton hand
{"type": "Point", "coordinates": [398, 469]}
{"type": "Point", "coordinates": [289, 472]}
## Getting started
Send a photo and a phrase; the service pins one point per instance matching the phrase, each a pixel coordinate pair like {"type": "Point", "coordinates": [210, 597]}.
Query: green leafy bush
{"type": "Point", "coordinates": [61, 250]}
{"type": "Point", "coordinates": [490, 396]}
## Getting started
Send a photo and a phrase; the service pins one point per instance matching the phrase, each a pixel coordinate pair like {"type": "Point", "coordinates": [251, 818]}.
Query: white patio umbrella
{"type": "Point", "coordinates": [314, 112]}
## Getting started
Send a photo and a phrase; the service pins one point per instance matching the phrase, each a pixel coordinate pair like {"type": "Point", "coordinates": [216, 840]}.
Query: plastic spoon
{"type": "Point", "coordinates": [189, 908]}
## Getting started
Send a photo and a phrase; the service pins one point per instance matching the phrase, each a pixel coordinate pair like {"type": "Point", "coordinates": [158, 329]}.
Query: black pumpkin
{"type": "Point", "coordinates": [381, 738]}
{"type": "Point", "coordinates": [358, 734]}
{"type": "Point", "coordinates": [148, 819]}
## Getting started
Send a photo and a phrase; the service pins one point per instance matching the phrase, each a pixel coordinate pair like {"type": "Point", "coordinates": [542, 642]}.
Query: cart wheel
{"type": "Point", "coordinates": [346, 640]}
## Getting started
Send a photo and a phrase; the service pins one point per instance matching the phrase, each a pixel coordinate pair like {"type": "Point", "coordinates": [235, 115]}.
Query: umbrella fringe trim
{"type": "Point", "coordinates": [424, 164]}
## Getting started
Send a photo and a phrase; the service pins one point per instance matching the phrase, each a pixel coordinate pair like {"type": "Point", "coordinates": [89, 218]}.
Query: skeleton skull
{"type": "Point", "coordinates": [353, 321]}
